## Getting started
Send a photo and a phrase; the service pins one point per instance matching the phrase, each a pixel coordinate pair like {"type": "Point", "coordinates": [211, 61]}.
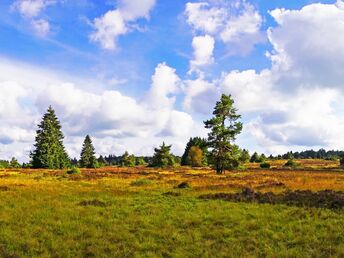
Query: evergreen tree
{"type": "Point", "coordinates": [198, 142]}
{"type": "Point", "coordinates": [127, 160]}
{"type": "Point", "coordinates": [140, 161]}
{"type": "Point", "coordinates": [87, 156]}
{"type": "Point", "coordinates": [14, 163]}
{"type": "Point", "coordinates": [162, 156]}
{"type": "Point", "coordinates": [245, 156]}
{"type": "Point", "coordinates": [224, 128]}
{"type": "Point", "coordinates": [49, 151]}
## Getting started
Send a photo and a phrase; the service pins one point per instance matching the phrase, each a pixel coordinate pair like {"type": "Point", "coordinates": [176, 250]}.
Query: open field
{"type": "Point", "coordinates": [140, 212]}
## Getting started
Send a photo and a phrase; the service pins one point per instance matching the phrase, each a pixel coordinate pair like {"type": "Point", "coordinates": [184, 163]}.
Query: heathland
{"type": "Point", "coordinates": [174, 212]}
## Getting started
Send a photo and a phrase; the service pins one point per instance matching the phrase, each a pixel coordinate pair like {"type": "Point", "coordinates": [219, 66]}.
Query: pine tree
{"type": "Point", "coordinates": [87, 156]}
{"type": "Point", "coordinates": [224, 128]}
{"type": "Point", "coordinates": [127, 160]}
{"type": "Point", "coordinates": [14, 163]}
{"type": "Point", "coordinates": [49, 151]}
{"type": "Point", "coordinates": [245, 156]}
{"type": "Point", "coordinates": [162, 156]}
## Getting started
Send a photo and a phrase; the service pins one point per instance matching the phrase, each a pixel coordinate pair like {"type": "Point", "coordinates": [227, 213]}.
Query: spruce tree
{"type": "Point", "coordinates": [49, 151]}
{"type": "Point", "coordinates": [87, 156]}
{"type": "Point", "coordinates": [224, 128]}
{"type": "Point", "coordinates": [162, 156]}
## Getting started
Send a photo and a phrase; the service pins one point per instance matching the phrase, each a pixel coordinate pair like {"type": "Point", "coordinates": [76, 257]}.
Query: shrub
{"type": "Point", "coordinates": [195, 156]}
{"type": "Point", "coordinates": [73, 171]}
{"type": "Point", "coordinates": [265, 165]}
{"type": "Point", "coordinates": [183, 185]}
{"type": "Point", "coordinates": [141, 182]}
{"type": "Point", "coordinates": [291, 163]}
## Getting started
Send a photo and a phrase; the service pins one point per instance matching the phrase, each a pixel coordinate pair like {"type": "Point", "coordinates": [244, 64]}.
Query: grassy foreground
{"type": "Point", "coordinates": [139, 212]}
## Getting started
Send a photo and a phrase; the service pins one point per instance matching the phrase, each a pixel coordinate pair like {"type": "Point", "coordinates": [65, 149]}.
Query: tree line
{"type": "Point", "coordinates": [218, 150]}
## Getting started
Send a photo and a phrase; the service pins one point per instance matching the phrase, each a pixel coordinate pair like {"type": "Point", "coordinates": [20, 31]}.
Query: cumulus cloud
{"type": "Point", "coordinates": [235, 23]}
{"type": "Point", "coordinates": [306, 45]}
{"type": "Point", "coordinates": [107, 115]}
{"type": "Point", "coordinates": [297, 103]}
{"type": "Point", "coordinates": [31, 10]}
{"type": "Point", "coordinates": [203, 47]}
{"type": "Point", "coordinates": [120, 21]}
{"type": "Point", "coordinates": [165, 82]}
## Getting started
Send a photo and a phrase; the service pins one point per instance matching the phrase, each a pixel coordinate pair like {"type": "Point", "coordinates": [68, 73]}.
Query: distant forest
{"type": "Point", "coordinates": [312, 154]}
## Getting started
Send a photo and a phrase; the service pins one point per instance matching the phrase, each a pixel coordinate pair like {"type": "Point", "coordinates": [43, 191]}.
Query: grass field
{"type": "Point", "coordinates": [140, 212]}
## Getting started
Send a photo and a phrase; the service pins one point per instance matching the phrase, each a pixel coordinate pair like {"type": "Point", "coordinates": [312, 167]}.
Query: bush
{"type": "Point", "coordinates": [74, 171]}
{"type": "Point", "coordinates": [291, 163]}
{"type": "Point", "coordinates": [341, 161]}
{"type": "Point", "coordinates": [183, 185]}
{"type": "Point", "coordinates": [141, 182]}
{"type": "Point", "coordinates": [265, 165]}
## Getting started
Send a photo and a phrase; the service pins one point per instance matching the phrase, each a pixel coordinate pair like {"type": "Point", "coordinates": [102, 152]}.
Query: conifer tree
{"type": "Point", "coordinates": [162, 156]}
{"type": "Point", "coordinates": [49, 151]}
{"type": "Point", "coordinates": [127, 160]}
{"type": "Point", "coordinates": [224, 128]}
{"type": "Point", "coordinates": [87, 156]}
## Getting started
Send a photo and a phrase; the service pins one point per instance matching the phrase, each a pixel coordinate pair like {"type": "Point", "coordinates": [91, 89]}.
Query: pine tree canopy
{"type": "Point", "coordinates": [162, 156]}
{"type": "Point", "coordinates": [87, 156]}
{"type": "Point", "coordinates": [49, 151]}
{"type": "Point", "coordinates": [224, 128]}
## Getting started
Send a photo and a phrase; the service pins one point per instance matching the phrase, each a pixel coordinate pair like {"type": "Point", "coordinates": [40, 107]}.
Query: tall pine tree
{"type": "Point", "coordinates": [87, 156]}
{"type": "Point", "coordinates": [224, 128]}
{"type": "Point", "coordinates": [49, 151]}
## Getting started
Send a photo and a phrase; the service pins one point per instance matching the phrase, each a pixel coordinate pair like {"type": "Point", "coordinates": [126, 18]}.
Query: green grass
{"type": "Point", "coordinates": [45, 217]}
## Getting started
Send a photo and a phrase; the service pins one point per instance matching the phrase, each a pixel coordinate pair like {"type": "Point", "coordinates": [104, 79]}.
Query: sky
{"type": "Point", "coordinates": [135, 73]}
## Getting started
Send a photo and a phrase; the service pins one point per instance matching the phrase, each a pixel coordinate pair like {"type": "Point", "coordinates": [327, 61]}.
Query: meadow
{"type": "Point", "coordinates": [148, 212]}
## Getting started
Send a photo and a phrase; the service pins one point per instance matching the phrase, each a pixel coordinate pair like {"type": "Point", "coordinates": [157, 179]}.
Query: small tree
{"type": "Point", "coordinates": [140, 161]}
{"type": "Point", "coordinates": [127, 160]}
{"type": "Point", "coordinates": [14, 163]}
{"type": "Point", "coordinates": [245, 156]}
{"type": "Point", "coordinates": [198, 142]}
{"type": "Point", "coordinates": [87, 156]}
{"type": "Point", "coordinates": [163, 157]}
{"type": "Point", "coordinates": [101, 161]}
{"type": "Point", "coordinates": [224, 128]}
{"type": "Point", "coordinates": [255, 158]}
{"type": "Point", "coordinates": [49, 151]}
{"type": "Point", "coordinates": [195, 156]}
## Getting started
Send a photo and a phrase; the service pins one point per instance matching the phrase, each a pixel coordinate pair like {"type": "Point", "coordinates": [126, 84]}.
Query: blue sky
{"type": "Point", "coordinates": [135, 52]}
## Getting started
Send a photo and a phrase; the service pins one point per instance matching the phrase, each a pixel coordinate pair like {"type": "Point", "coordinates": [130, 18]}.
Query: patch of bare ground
{"type": "Point", "coordinates": [323, 199]}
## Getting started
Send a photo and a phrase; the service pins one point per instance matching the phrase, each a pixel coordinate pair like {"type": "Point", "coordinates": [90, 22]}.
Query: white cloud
{"type": "Point", "coordinates": [236, 24]}
{"type": "Point", "coordinates": [307, 48]}
{"type": "Point", "coordinates": [120, 21]}
{"type": "Point", "coordinates": [203, 51]}
{"type": "Point", "coordinates": [110, 117]}
{"type": "Point", "coordinates": [165, 82]}
{"type": "Point", "coordinates": [41, 27]}
{"type": "Point", "coordinates": [201, 16]}
{"type": "Point", "coordinates": [133, 9]}
{"type": "Point", "coordinates": [108, 28]}
{"type": "Point", "coordinates": [200, 95]}
{"type": "Point", "coordinates": [297, 103]}
{"type": "Point", "coordinates": [31, 10]}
